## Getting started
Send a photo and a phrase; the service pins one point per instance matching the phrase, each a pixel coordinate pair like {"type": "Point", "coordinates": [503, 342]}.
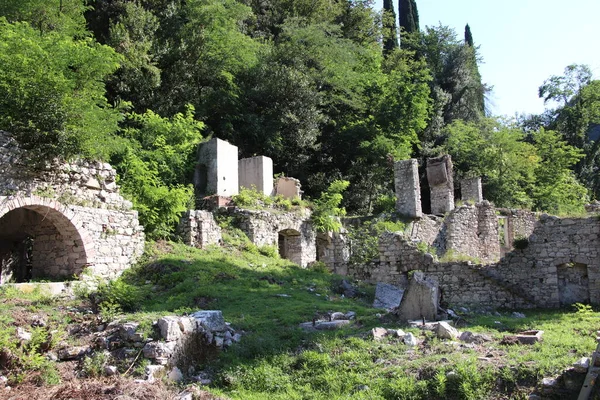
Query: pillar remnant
{"type": "Point", "coordinates": [470, 190]}
{"type": "Point", "coordinates": [256, 172]}
{"type": "Point", "coordinates": [441, 183]}
{"type": "Point", "coordinates": [217, 169]}
{"type": "Point", "coordinates": [408, 189]}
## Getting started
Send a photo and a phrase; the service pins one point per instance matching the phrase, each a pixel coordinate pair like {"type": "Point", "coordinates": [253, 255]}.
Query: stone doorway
{"type": "Point", "coordinates": [290, 245]}
{"type": "Point", "coordinates": [573, 283]}
{"type": "Point", "coordinates": [39, 242]}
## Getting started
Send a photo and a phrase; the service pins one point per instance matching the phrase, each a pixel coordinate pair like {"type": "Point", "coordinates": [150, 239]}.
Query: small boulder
{"type": "Point", "coordinates": [410, 340]}
{"type": "Point", "coordinates": [477, 338]}
{"type": "Point", "coordinates": [110, 370]}
{"type": "Point", "coordinates": [128, 331]}
{"type": "Point", "coordinates": [379, 333]}
{"type": "Point", "coordinates": [399, 333]}
{"type": "Point", "coordinates": [518, 315]}
{"type": "Point", "coordinates": [331, 325]}
{"type": "Point", "coordinates": [72, 353]}
{"type": "Point", "coordinates": [154, 372]}
{"type": "Point", "coordinates": [443, 330]}
{"type": "Point", "coordinates": [175, 375]}
{"type": "Point", "coordinates": [337, 316]}
{"type": "Point", "coordinates": [348, 290]}
{"type": "Point", "coordinates": [23, 335]}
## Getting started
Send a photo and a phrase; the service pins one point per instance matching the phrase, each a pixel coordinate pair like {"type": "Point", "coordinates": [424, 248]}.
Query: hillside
{"type": "Point", "coordinates": [265, 299]}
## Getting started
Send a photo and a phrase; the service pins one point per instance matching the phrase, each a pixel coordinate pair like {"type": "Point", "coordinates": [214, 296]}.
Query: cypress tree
{"type": "Point", "coordinates": [468, 36]}
{"type": "Point", "coordinates": [390, 34]}
{"type": "Point", "coordinates": [409, 15]}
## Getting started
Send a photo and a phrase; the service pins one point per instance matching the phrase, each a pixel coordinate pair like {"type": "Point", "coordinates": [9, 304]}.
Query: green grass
{"type": "Point", "coordinates": [277, 360]}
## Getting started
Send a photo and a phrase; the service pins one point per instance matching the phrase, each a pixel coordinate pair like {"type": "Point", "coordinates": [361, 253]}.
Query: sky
{"type": "Point", "coordinates": [522, 42]}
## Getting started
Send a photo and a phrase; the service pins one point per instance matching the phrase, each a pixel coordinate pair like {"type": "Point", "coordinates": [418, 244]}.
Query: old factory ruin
{"type": "Point", "coordinates": [71, 218]}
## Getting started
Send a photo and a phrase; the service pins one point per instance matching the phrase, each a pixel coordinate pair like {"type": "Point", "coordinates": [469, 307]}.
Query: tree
{"type": "Point", "coordinates": [468, 36]}
{"type": "Point", "coordinates": [496, 152]}
{"type": "Point", "coordinates": [409, 16]}
{"type": "Point", "coordinates": [577, 97]}
{"type": "Point", "coordinates": [52, 92]}
{"type": "Point", "coordinates": [390, 34]}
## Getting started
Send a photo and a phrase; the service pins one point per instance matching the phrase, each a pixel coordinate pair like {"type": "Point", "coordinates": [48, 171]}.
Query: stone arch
{"type": "Point", "coordinates": [290, 245]}
{"type": "Point", "coordinates": [572, 279]}
{"type": "Point", "coordinates": [41, 238]}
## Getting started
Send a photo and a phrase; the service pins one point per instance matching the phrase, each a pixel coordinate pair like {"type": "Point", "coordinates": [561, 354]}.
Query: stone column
{"type": "Point", "coordinates": [470, 190]}
{"type": "Point", "coordinates": [408, 189]}
{"type": "Point", "coordinates": [439, 176]}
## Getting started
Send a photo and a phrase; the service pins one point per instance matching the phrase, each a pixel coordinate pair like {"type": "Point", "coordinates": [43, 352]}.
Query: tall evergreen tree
{"type": "Point", "coordinates": [409, 16]}
{"type": "Point", "coordinates": [390, 33]}
{"type": "Point", "coordinates": [468, 35]}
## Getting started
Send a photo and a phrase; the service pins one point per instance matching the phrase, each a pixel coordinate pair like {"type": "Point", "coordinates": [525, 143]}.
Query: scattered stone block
{"type": "Point", "coordinates": [379, 333]}
{"type": "Point", "coordinates": [387, 296]}
{"type": "Point", "coordinates": [72, 353]}
{"type": "Point", "coordinates": [110, 370]}
{"type": "Point", "coordinates": [212, 321]}
{"type": "Point", "coordinates": [477, 338]}
{"type": "Point", "coordinates": [420, 300]}
{"type": "Point", "coordinates": [169, 328]}
{"type": "Point", "coordinates": [175, 375]}
{"type": "Point", "coordinates": [154, 372]}
{"type": "Point", "coordinates": [23, 335]}
{"type": "Point", "coordinates": [443, 330]}
{"type": "Point", "coordinates": [530, 337]}
{"type": "Point", "coordinates": [582, 365]}
{"type": "Point", "coordinates": [127, 331]}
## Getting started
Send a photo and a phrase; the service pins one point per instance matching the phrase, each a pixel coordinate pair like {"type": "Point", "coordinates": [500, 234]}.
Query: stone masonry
{"type": "Point", "coordinates": [408, 190]}
{"type": "Point", "coordinates": [441, 183]}
{"type": "Point", "coordinates": [57, 221]}
{"type": "Point", "coordinates": [470, 190]}
{"type": "Point", "coordinates": [198, 228]}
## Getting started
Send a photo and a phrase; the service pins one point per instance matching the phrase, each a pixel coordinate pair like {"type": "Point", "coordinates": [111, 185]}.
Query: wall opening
{"type": "Point", "coordinates": [290, 245]}
{"type": "Point", "coordinates": [573, 283]}
{"type": "Point", "coordinates": [38, 242]}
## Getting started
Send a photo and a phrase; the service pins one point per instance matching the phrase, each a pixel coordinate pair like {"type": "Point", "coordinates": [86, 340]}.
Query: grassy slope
{"type": "Point", "coordinates": [276, 360]}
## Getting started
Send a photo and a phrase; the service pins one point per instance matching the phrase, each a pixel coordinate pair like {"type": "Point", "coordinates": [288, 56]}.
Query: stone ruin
{"type": "Point", "coordinates": [62, 221]}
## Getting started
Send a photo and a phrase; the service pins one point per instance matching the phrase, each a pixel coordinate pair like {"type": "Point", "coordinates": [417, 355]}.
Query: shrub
{"type": "Point", "coordinates": [327, 210]}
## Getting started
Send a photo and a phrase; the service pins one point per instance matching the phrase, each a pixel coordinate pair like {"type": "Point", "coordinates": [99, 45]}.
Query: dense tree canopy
{"type": "Point", "coordinates": [320, 86]}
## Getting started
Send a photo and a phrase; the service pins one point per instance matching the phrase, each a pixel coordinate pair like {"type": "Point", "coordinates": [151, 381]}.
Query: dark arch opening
{"type": "Point", "coordinates": [573, 283]}
{"type": "Point", "coordinates": [290, 245]}
{"type": "Point", "coordinates": [38, 242]}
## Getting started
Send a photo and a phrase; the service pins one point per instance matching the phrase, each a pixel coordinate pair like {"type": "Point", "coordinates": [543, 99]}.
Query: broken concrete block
{"type": "Point", "coordinates": [443, 330]}
{"type": "Point", "coordinates": [420, 300]}
{"type": "Point", "coordinates": [154, 372]}
{"type": "Point", "coordinates": [387, 296]}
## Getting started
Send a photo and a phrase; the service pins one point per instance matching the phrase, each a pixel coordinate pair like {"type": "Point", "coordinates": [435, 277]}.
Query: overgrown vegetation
{"type": "Point", "coordinates": [364, 238]}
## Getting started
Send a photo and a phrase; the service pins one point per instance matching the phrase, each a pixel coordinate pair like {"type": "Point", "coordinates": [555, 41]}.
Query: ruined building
{"type": "Point", "coordinates": [62, 221]}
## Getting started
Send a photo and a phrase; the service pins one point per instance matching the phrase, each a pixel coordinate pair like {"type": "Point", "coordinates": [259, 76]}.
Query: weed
{"type": "Point", "coordinates": [453, 256]}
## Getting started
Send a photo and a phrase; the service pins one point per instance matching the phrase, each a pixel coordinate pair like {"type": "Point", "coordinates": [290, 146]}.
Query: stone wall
{"type": "Point", "coordinates": [198, 228]}
{"type": "Point", "coordinates": [290, 188]}
{"type": "Point", "coordinates": [473, 230]}
{"type": "Point", "coordinates": [559, 265]}
{"type": "Point", "coordinates": [408, 189]}
{"type": "Point", "coordinates": [63, 218]}
{"type": "Point", "coordinates": [291, 232]}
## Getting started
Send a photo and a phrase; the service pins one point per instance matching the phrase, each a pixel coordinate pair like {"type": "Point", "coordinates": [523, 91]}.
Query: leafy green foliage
{"type": "Point", "coordinates": [155, 165]}
{"type": "Point", "coordinates": [326, 210]}
{"type": "Point", "coordinates": [365, 238]}
{"type": "Point", "coordinates": [52, 95]}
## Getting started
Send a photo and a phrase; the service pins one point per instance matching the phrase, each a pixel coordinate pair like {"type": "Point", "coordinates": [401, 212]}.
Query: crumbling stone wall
{"type": "Point", "coordinates": [198, 228]}
{"type": "Point", "coordinates": [535, 276]}
{"type": "Point", "coordinates": [72, 212]}
{"type": "Point", "coordinates": [470, 190]}
{"type": "Point", "coordinates": [292, 232]}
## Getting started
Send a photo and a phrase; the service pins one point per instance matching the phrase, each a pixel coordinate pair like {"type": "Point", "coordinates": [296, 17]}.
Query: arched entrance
{"type": "Point", "coordinates": [39, 240]}
{"type": "Point", "coordinates": [290, 245]}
